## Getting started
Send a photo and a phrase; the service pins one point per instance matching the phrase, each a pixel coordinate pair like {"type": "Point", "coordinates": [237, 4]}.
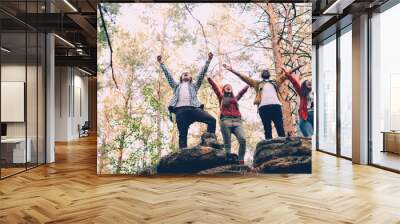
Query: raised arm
{"type": "Point", "coordinates": [292, 79]}
{"type": "Point", "coordinates": [241, 93]}
{"type": "Point", "coordinates": [215, 88]}
{"type": "Point", "coordinates": [168, 75]}
{"type": "Point", "coordinates": [251, 82]}
{"type": "Point", "coordinates": [200, 77]}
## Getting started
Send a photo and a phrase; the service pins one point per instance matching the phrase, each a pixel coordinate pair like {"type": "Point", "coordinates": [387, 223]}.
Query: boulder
{"type": "Point", "coordinates": [283, 155]}
{"type": "Point", "coordinates": [290, 164]}
{"type": "Point", "coordinates": [228, 169]}
{"type": "Point", "coordinates": [210, 140]}
{"type": "Point", "coordinates": [208, 154]}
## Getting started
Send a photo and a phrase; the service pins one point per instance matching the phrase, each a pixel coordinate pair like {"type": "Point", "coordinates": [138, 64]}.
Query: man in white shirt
{"type": "Point", "coordinates": [270, 108]}
{"type": "Point", "coordinates": [185, 104]}
{"type": "Point", "coordinates": [184, 95]}
{"type": "Point", "coordinates": [268, 100]}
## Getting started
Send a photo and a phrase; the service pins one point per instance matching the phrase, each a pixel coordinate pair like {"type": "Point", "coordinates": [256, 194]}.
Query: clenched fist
{"type": "Point", "coordinates": [227, 67]}
{"type": "Point", "coordinates": [284, 70]}
{"type": "Point", "coordinates": [210, 56]}
{"type": "Point", "coordinates": [159, 59]}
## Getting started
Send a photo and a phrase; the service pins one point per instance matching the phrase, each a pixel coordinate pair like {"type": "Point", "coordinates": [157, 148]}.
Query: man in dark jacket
{"type": "Point", "coordinates": [268, 99]}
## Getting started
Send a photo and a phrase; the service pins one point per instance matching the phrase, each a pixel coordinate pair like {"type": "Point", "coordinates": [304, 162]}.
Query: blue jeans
{"type": "Point", "coordinates": [307, 126]}
{"type": "Point", "coordinates": [233, 126]}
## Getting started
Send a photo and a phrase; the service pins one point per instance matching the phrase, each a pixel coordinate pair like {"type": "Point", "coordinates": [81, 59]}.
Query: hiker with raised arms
{"type": "Point", "coordinates": [185, 103]}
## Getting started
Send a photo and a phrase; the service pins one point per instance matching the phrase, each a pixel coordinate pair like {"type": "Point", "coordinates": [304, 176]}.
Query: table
{"type": "Point", "coordinates": [13, 150]}
{"type": "Point", "coordinates": [391, 141]}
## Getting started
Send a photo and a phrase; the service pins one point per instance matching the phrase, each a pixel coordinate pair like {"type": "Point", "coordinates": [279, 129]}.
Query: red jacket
{"type": "Point", "coordinates": [233, 108]}
{"type": "Point", "coordinates": [303, 110]}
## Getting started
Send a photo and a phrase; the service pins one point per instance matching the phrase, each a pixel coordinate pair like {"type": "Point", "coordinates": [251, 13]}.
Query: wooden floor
{"type": "Point", "coordinates": [5, 172]}
{"type": "Point", "coordinates": [70, 192]}
{"type": "Point", "coordinates": [386, 159]}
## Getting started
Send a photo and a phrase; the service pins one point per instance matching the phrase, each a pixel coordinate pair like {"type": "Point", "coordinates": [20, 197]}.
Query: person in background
{"type": "Point", "coordinates": [306, 108]}
{"type": "Point", "coordinates": [185, 103]}
{"type": "Point", "coordinates": [230, 117]}
{"type": "Point", "coordinates": [268, 99]}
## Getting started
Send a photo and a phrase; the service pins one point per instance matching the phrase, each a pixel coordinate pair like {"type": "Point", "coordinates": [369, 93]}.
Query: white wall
{"type": "Point", "coordinates": [62, 81]}
{"type": "Point", "coordinates": [33, 126]}
{"type": "Point", "coordinates": [12, 73]}
{"type": "Point", "coordinates": [17, 73]}
{"type": "Point", "coordinates": [71, 94]}
{"type": "Point", "coordinates": [80, 109]}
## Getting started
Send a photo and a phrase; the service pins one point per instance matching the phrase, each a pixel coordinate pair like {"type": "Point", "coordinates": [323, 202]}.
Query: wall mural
{"type": "Point", "coordinates": [204, 88]}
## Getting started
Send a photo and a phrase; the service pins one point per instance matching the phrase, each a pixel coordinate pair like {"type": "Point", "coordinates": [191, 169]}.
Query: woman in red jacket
{"type": "Point", "coordinates": [230, 117]}
{"type": "Point", "coordinates": [306, 109]}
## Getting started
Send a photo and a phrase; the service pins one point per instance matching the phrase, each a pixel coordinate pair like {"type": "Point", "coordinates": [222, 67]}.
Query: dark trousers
{"type": "Point", "coordinates": [185, 116]}
{"type": "Point", "coordinates": [272, 113]}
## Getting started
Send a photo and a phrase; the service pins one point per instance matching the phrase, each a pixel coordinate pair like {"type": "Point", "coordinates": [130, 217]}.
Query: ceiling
{"type": "Point", "coordinates": [331, 15]}
{"type": "Point", "coordinates": [74, 22]}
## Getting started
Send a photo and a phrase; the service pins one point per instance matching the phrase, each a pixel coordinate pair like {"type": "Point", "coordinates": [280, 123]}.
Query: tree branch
{"type": "Point", "coordinates": [109, 45]}
{"type": "Point", "coordinates": [284, 23]}
{"type": "Point", "coordinates": [199, 22]}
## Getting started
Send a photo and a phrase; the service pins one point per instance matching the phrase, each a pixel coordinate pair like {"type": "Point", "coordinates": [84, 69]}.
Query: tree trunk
{"type": "Point", "coordinates": [102, 156]}
{"type": "Point", "coordinates": [293, 58]}
{"type": "Point", "coordinates": [119, 161]}
{"type": "Point", "coordinates": [283, 89]}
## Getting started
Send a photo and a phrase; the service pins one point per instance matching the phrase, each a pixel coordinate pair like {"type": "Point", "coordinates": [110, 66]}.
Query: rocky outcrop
{"type": "Point", "coordinates": [279, 155]}
{"type": "Point", "coordinates": [208, 154]}
{"type": "Point", "coordinates": [228, 169]}
{"type": "Point", "coordinates": [283, 155]}
{"type": "Point", "coordinates": [210, 140]}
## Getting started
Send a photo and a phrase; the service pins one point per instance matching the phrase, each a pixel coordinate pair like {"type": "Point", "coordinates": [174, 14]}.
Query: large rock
{"type": "Point", "coordinates": [283, 155]}
{"type": "Point", "coordinates": [227, 169]}
{"type": "Point", "coordinates": [210, 140]}
{"type": "Point", "coordinates": [208, 154]}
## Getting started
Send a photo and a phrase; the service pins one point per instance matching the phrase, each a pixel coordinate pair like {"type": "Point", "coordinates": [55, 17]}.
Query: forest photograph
{"type": "Point", "coordinates": [204, 88]}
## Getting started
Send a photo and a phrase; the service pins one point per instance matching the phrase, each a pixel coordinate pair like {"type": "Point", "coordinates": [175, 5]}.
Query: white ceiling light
{"type": "Point", "coordinates": [70, 5]}
{"type": "Point", "coordinates": [64, 40]}
{"type": "Point", "coordinates": [86, 72]}
{"type": "Point", "coordinates": [337, 7]}
{"type": "Point", "coordinates": [5, 50]}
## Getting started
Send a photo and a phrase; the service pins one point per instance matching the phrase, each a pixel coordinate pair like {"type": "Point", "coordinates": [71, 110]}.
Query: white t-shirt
{"type": "Point", "coordinates": [184, 95]}
{"type": "Point", "coordinates": [269, 95]}
{"type": "Point", "coordinates": [310, 102]}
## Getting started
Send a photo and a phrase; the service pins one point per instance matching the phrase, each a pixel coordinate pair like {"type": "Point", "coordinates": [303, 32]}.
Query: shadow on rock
{"type": "Point", "coordinates": [228, 169]}
{"type": "Point", "coordinates": [283, 155]}
{"type": "Point", "coordinates": [208, 154]}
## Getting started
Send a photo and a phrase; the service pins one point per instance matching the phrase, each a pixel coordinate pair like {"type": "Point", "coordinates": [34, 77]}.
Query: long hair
{"type": "Point", "coordinates": [304, 91]}
{"type": "Point", "coordinates": [226, 98]}
{"type": "Point", "coordinates": [228, 94]}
